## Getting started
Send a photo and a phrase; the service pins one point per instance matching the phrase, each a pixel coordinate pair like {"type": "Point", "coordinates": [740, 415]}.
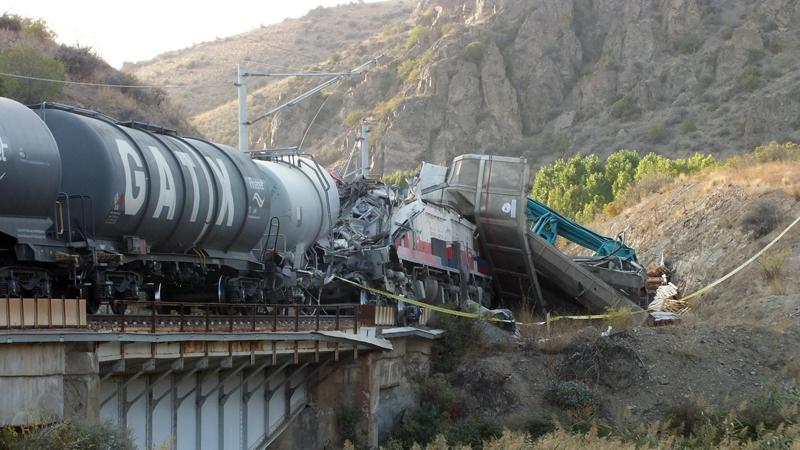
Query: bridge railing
{"type": "Point", "coordinates": [145, 316]}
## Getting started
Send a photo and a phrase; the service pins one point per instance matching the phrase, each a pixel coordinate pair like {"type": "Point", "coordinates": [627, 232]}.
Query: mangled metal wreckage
{"type": "Point", "coordinates": [469, 237]}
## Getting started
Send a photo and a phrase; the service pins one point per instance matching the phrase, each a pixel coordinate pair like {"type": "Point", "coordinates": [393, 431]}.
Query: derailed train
{"type": "Point", "coordinates": [114, 211]}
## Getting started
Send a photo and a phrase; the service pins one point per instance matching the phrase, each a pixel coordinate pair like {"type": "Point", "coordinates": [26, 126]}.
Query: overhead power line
{"type": "Point", "coordinates": [85, 83]}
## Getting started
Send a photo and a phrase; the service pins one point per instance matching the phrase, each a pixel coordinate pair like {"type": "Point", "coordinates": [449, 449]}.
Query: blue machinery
{"type": "Point", "coordinates": [548, 225]}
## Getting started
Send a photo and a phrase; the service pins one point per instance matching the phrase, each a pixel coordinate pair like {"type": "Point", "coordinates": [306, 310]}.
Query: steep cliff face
{"type": "Point", "coordinates": [545, 78]}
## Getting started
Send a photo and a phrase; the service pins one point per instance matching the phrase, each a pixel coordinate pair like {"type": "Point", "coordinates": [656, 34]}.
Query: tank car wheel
{"type": "Point", "coordinates": [118, 307]}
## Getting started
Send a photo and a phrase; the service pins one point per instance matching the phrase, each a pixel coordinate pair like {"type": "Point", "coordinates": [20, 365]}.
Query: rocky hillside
{"type": "Point", "coordinates": [208, 70]}
{"type": "Point", "coordinates": [542, 79]}
{"type": "Point", "coordinates": [28, 47]}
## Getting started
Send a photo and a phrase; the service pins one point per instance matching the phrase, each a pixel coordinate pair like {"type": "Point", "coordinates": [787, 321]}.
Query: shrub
{"type": "Point", "coordinates": [771, 410]}
{"type": "Point", "coordinates": [413, 75]}
{"type": "Point", "coordinates": [32, 62]}
{"type": "Point", "coordinates": [656, 133]}
{"type": "Point", "coordinates": [437, 408]}
{"type": "Point", "coordinates": [686, 44]}
{"type": "Point", "coordinates": [348, 420]}
{"type": "Point", "coordinates": [768, 421]}
{"type": "Point", "coordinates": [772, 265]}
{"type": "Point", "coordinates": [10, 22]}
{"type": "Point", "coordinates": [688, 127]}
{"type": "Point", "coordinates": [399, 177]}
{"type": "Point", "coordinates": [727, 33]}
{"type": "Point", "coordinates": [67, 435]}
{"type": "Point", "coordinates": [688, 417]}
{"type": "Point", "coordinates": [474, 52]}
{"type": "Point", "coordinates": [405, 68]}
{"type": "Point", "coordinates": [574, 394]}
{"type": "Point", "coordinates": [30, 28]}
{"type": "Point", "coordinates": [461, 336]}
{"type": "Point", "coordinates": [762, 218]}
{"type": "Point", "coordinates": [755, 55]}
{"type": "Point", "coordinates": [474, 431]}
{"type": "Point", "coordinates": [353, 117]}
{"type": "Point", "coordinates": [777, 152]}
{"type": "Point", "coordinates": [773, 45]}
{"type": "Point", "coordinates": [750, 79]}
{"type": "Point", "coordinates": [417, 34]}
{"type": "Point", "coordinates": [626, 109]}
{"type": "Point", "coordinates": [389, 106]}
{"type": "Point", "coordinates": [538, 425]}
{"type": "Point", "coordinates": [79, 62]}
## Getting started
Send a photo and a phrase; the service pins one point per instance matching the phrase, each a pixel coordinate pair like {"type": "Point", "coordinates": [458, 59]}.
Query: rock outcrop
{"type": "Point", "coordinates": [544, 78]}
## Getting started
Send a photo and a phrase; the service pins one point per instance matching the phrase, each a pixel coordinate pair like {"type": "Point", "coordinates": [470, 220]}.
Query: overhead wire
{"type": "Point", "coordinates": [87, 83]}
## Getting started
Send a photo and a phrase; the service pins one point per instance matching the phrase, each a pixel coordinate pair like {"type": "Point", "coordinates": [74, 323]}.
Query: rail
{"type": "Point", "coordinates": [177, 317]}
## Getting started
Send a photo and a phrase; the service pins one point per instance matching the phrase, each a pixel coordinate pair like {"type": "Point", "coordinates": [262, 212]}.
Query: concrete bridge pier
{"type": "Point", "coordinates": [48, 382]}
{"type": "Point", "coordinates": [375, 389]}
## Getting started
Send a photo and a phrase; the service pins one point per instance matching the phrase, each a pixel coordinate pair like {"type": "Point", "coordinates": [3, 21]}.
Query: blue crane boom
{"type": "Point", "coordinates": [548, 224]}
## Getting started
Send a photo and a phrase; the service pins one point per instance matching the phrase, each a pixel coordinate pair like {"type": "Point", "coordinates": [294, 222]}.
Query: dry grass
{"type": "Point", "coordinates": [293, 44]}
{"type": "Point", "coordinates": [767, 176]}
{"type": "Point", "coordinates": [772, 265]}
{"type": "Point", "coordinates": [768, 421]}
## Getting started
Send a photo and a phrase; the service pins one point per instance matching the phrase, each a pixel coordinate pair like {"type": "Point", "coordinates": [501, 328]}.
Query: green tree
{"type": "Point", "coordinates": [582, 186]}
{"type": "Point", "coordinates": [34, 63]}
{"type": "Point", "coordinates": [576, 187]}
{"type": "Point", "coordinates": [621, 170]}
{"type": "Point", "coordinates": [695, 163]}
{"type": "Point", "coordinates": [654, 163]}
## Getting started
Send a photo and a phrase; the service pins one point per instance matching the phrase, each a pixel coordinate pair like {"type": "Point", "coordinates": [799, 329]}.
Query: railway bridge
{"type": "Point", "coordinates": [207, 376]}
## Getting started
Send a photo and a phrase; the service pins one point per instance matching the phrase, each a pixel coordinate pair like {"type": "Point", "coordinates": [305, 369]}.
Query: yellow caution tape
{"type": "Point", "coordinates": [742, 266]}
{"type": "Point", "coordinates": [400, 298]}
{"type": "Point", "coordinates": [464, 314]}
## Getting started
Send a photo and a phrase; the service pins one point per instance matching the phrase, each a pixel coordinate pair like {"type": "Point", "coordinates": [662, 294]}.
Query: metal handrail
{"type": "Point", "coordinates": [245, 316]}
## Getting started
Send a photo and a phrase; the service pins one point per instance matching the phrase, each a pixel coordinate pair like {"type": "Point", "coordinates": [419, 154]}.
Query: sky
{"type": "Point", "coordinates": [138, 30]}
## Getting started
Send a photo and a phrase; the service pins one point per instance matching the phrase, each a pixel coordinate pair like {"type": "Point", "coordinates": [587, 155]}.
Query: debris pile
{"type": "Point", "coordinates": [666, 293]}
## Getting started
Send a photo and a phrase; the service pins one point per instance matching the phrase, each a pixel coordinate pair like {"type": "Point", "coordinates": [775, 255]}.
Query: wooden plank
{"type": "Point", "coordinates": [57, 312]}
{"type": "Point", "coordinates": [29, 312]}
{"type": "Point", "coordinates": [82, 312]}
{"type": "Point", "coordinates": [4, 318]}
{"type": "Point", "coordinates": [43, 312]}
{"type": "Point", "coordinates": [72, 311]}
